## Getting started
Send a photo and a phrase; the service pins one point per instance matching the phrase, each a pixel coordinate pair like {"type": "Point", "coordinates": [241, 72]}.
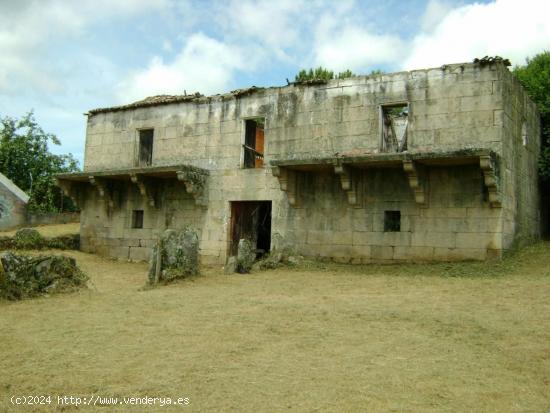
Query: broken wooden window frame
{"type": "Point", "coordinates": [251, 157]}
{"type": "Point", "coordinates": [140, 137]}
{"type": "Point", "coordinates": [395, 146]}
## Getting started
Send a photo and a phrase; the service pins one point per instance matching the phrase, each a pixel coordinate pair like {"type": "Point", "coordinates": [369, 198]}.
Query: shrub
{"type": "Point", "coordinates": [28, 238]}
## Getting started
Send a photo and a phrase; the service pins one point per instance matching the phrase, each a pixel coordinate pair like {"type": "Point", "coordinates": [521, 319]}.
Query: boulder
{"type": "Point", "coordinates": [273, 260]}
{"type": "Point", "coordinates": [294, 260]}
{"type": "Point", "coordinates": [246, 255]}
{"type": "Point", "coordinates": [230, 266]}
{"type": "Point", "coordinates": [22, 277]}
{"type": "Point", "coordinates": [176, 255]}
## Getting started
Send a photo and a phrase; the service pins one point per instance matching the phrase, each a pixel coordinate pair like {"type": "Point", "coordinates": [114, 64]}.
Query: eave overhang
{"type": "Point", "coordinates": [146, 179]}
{"type": "Point", "coordinates": [413, 164]}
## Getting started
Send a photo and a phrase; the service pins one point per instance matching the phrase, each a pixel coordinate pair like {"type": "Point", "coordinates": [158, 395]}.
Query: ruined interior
{"type": "Point", "coordinates": [434, 164]}
{"type": "Point", "coordinates": [251, 220]}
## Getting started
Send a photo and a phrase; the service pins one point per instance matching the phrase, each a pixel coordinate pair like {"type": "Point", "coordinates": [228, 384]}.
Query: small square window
{"type": "Point", "coordinates": [137, 218]}
{"type": "Point", "coordinates": [392, 221]}
{"type": "Point", "coordinates": [254, 143]}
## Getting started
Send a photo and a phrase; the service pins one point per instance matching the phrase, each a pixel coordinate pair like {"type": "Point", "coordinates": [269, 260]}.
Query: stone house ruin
{"type": "Point", "coordinates": [435, 164]}
{"type": "Point", "coordinates": [13, 204]}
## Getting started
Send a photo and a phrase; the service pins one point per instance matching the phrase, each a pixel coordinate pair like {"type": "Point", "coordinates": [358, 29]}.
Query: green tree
{"type": "Point", "coordinates": [535, 78]}
{"type": "Point", "coordinates": [26, 159]}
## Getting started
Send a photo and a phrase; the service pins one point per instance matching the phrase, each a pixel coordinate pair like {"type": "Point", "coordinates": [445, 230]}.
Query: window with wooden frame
{"type": "Point", "coordinates": [253, 146]}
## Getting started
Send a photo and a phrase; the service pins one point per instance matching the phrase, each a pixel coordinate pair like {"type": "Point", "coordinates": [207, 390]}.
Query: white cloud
{"type": "Point", "coordinates": [507, 28]}
{"type": "Point", "coordinates": [341, 45]}
{"type": "Point", "coordinates": [435, 11]}
{"type": "Point", "coordinates": [204, 64]}
{"type": "Point", "coordinates": [27, 29]}
{"type": "Point", "coordinates": [274, 25]}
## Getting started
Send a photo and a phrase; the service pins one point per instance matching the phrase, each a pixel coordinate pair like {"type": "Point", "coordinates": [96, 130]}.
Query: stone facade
{"type": "Point", "coordinates": [460, 182]}
{"type": "Point", "coordinates": [13, 204]}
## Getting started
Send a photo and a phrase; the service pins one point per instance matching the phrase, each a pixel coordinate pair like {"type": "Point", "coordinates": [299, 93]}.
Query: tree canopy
{"type": "Point", "coordinates": [25, 158]}
{"type": "Point", "coordinates": [535, 78]}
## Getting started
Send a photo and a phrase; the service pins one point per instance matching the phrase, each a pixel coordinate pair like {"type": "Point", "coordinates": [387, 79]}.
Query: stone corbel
{"type": "Point", "coordinates": [70, 190]}
{"type": "Point", "coordinates": [102, 190]}
{"type": "Point", "coordinates": [144, 188]}
{"type": "Point", "coordinates": [416, 182]}
{"type": "Point", "coordinates": [195, 184]}
{"type": "Point", "coordinates": [349, 184]}
{"type": "Point", "coordinates": [288, 184]}
{"type": "Point", "coordinates": [490, 179]}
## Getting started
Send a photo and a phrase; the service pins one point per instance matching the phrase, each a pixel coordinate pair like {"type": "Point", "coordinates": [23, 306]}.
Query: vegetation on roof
{"type": "Point", "coordinates": [320, 73]}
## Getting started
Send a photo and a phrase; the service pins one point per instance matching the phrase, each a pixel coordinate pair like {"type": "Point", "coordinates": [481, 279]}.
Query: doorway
{"type": "Point", "coordinates": [251, 220]}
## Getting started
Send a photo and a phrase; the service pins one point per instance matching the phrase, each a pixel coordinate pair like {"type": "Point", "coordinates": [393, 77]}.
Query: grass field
{"type": "Point", "coordinates": [324, 337]}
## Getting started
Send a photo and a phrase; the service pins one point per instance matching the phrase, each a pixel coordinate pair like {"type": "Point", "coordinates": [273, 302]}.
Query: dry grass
{"type": "Point", "coordinates": [461, 337]}
{"type": "Point", "coordinates": [51, 230]}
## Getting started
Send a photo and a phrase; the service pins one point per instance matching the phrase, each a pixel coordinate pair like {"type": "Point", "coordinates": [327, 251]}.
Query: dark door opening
{"type": "Point", "coordinates": [251, 220]}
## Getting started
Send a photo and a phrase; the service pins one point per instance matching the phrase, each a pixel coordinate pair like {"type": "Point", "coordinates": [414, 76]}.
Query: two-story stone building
{"type": "Point", "coordinates": [436, 164]}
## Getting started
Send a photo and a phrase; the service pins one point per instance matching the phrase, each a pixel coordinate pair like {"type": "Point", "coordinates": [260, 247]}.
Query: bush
{"type": "Point", "coordinates": [64, 242]}
{"type": "Point", "coordinates": [28, 238]}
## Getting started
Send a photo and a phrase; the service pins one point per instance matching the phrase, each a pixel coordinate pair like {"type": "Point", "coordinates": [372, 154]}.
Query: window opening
{"type": "Point", "coordinates": [392, 221]}
{"type": "Point", "coordinates": [137, 218]}
{"type": "Point", "coordinates": [395, 122]}
{"type": "Point", "coordinates": [254, 143]}
{"type": "Point", "coordinates": [145, 147]}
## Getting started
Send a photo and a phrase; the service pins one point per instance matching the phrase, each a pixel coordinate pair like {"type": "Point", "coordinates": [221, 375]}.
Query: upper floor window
{"type": "Point", "coordinates": [394, 125]}
{"type": "Point", "coordinates": [145, 152]}
{"type": "Point", "coordinates": [253, 147]}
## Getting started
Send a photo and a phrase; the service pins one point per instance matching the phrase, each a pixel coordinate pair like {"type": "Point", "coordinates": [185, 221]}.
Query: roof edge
{"type": "Point", "coordinates": [160, 100]}
{"type": "Point", "coordinates": [14, 189]}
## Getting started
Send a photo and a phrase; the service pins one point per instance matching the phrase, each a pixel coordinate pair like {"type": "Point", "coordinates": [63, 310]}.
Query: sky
{"type": "Point", "coordinates": [61, 58]}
